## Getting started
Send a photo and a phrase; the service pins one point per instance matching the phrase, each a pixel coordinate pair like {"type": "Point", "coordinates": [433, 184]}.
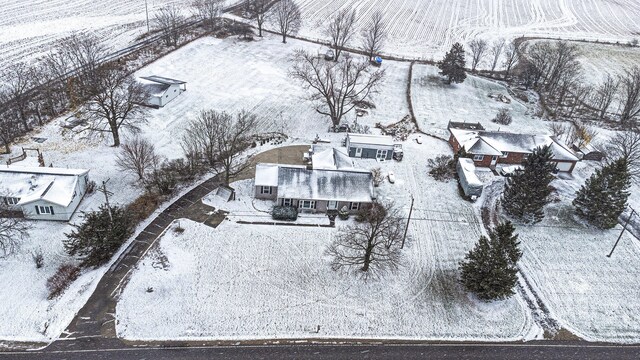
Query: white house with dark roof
{"type": "Point", "coordinates": [315, 190]}
{"type": "Point", "coordinates": [161, 90]}
{"type": "Point", "coordinates": [43, 193]}
{"type": "Point", "coordinates": [489, 148]}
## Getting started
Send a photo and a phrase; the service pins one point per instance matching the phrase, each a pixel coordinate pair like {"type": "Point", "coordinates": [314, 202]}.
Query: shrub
{"type": "Point", "coordinates": [377, 176]}
{"type": "Point", "coordinates": [503, 117]}
{"type": "Point", "coordinates": [288, 213]}
{"type": "Point", "coordinates": [61, 280]}
{"type": "Point", "coordinates": [442, 167]}
{"type": "Point", "coordinates": [38, 258]}
{"type": "Point", "coordinates": [91, 187]}
{"type": "Point", "coordinates": [343, 213]}
{"type": "Point", "coordinates": [143, 206]}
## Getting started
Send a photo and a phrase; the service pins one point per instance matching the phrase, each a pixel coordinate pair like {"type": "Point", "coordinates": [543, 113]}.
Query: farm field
{"type": "Point", "coordinates": [258, 281]}
{"type": "Point", "coordinates": [426, 29]}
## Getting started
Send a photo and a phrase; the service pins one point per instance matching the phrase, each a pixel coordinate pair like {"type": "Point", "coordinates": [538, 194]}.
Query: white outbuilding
{"type": "Point", "coordinates": [161, 90]}
{"type": "Point", "coordinates": [43, 193]}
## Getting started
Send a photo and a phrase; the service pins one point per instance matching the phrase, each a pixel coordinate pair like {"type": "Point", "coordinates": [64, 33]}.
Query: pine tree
{"type": "Point", "coordinates": [490, 269]}
{"type": "Point", "coordinates": [604, 195]}
{"type": "Point", "coordinates": [452, 66]}
{"type": "Point", "coordinates": [527, 192]}
{"type": "Point", "coordinates": [100, 235]}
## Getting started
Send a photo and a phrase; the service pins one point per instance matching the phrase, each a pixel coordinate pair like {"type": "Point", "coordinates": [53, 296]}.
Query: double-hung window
{"type": "Point", "coordinates": [265, 190]}
{"type": "Point", "coordinates": [478, 157]}
{"type": "Point", "coordinates": [354, 206]}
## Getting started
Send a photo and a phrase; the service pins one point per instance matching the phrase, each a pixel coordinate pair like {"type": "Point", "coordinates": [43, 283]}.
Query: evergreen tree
{"type": "Point", "coordinates": [100, 236]}
{"type": "Point", "coordinates": [604, 195]}
{"type": "Point", "coordinates": [490, 269]}
{"type": "Point", "coordinates": [452, 66]}
{"type": "Point", "coordinates": [527, 192]}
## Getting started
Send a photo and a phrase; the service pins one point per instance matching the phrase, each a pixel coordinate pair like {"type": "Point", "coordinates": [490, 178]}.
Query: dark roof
{"type": "Point", "coordinates": [465, 125]}
{"type": "Point", "coordinates": [163, 80]}
{"type": "Point", "coordinates": [155, 89]}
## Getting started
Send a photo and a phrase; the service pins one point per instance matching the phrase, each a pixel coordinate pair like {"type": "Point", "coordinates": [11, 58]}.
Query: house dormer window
{"type": "Point", "coordinates": [478, 157]}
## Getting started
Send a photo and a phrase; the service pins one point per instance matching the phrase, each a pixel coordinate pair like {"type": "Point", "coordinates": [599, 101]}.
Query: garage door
{"type": "Point", "coordinates": [564, 166]}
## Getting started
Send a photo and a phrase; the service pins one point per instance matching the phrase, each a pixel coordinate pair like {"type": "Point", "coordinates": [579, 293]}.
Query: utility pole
{"type": "Point", "coordinates": [146, 9]}
{"type": "Point", "coordinates": [103, 189]}
{"type": "Point", "coordinates": [622, 232]}
{"type": "Point", "coordinates": [407, 227]}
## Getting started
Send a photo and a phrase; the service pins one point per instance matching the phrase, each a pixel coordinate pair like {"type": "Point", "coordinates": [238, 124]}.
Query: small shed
{"type": "Point", "coordinates": [370, 146]}
{"type": "Point", "coordinates": [587, 152]}
{"type": "Point", "coordinates": [471, 185]}
{"type": "Point", "coordinates": [161, 90]}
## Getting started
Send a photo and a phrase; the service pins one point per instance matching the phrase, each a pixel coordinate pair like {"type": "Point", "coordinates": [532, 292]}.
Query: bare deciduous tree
{"type": "Point", "coordinates": [335, 88]}
{"type": "Point", "coordinates": [225, 138]}
{"type": "Point", "coordinates": [580, 91]}
{"type": "Point", "coordinates": [374, 36]}
{"type": "Point", "coordinates": [16, 79]}
{"type": "Point", "coordinates": [626, 144]}
{"type": "Point", "coordinates": [478, 48]}
{"type": "Point", "coordinates": [287, 18]}
{"type": "Point", "coordinates": [340, 30]}
{"type": "Point", "coordinates": [630, 92]}
{"type": "Point", "coordinates": [169, 20]}
{"type": "Point", "coordinates": [496, 51]}
{"type": "Point", "coordinates": [512, 54]}
{"type": "Point", "coordinates": [258, 10]}
{"type": "Point", "coordinates": [137, 155]}
{"type": "Point", "coordinates": [563, 60]}
{"type": "Point", "coordinates": [13, 230]}
{"type": "Point", "coordinates": [604, 95]}
{"type": "Point", "coordinates": [81, 55]}
{"type": "Point", "coordinates": [9, 130]}
{"type": "Point", "coordinates": [371, 246]}
{"type": "Point", "coordinates": [115, 103]}
{"type": "Point", "coordinates": [208, 11]}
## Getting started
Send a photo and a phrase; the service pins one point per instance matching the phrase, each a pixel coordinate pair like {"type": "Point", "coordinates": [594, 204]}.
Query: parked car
{"type": "Point", "coordinates": [392, 177]}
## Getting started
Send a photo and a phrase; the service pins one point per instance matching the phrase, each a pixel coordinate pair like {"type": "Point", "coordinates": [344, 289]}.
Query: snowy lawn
{"type": "Point", "coordinates": [257, 281]}
{"type": "Point", "coordinates": [596, 297]}
{"type": "Point", "coordinates": [436, 103]}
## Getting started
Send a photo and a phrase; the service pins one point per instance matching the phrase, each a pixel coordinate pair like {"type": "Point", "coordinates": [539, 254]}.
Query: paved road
{"type": "Point", "coordinates": [96, 318]}
{"type": "Point", "coordinates": [535, 350]}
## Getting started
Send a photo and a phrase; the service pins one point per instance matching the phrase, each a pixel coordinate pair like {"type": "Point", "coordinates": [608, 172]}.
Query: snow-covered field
{"type": "Point", "coordinates": [259, 281]}
{"type": "Point", "coordinates": [427, 29]}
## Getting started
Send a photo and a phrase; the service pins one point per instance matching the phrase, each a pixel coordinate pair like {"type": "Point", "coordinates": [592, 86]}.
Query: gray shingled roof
{"type": "Point", "coordinates": [337, 185]}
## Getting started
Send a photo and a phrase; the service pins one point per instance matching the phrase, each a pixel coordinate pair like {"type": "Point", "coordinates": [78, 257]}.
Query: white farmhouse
{"type": "Point", "coordinates": [43, 193]}
{"type": "Point", "coordinates": [161, 90]}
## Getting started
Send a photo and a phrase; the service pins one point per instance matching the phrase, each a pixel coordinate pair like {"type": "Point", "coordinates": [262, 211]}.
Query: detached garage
{"type": "Point", "coordinates": [370, 146]}
{"type": "Point", "coordinates": [161, 90]}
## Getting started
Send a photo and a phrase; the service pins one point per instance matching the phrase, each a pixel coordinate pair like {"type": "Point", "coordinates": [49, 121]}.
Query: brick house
{"type": "Point", "coordinates": [490, 148]}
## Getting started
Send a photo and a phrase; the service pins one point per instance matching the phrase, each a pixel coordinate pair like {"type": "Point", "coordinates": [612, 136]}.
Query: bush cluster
{"type": "Point", "coordinates": [61, 280]}
{"type": "Point", "coordinates": [288, 213]}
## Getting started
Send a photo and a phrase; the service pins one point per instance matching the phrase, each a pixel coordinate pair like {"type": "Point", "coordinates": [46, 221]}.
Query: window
{"type": "Point", "coordinates": [332, 205]}
{"type": "Point", "coordinates": [11, 200]}
{"type": "Point", "coordinates": [287, 202]}
{"type": "Point", "coordinates": [354, 206]}
{"type": "Point", "coordinates": [504, 154]}
{"type": "Point", "coordinates": [307, 204]}
{"type": "Point", "coordinates": [265, 190]}
{"type": "Point", "coordinates": [45, 210]}
{"type": "Point", "coordinates": [478, 157]}
{"type": "Point", "coordinates": [525, 156]}
{"type": "Point", "coordinates": [381, 154]}
{"type": "Point", "coordinates": [494, 158]}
